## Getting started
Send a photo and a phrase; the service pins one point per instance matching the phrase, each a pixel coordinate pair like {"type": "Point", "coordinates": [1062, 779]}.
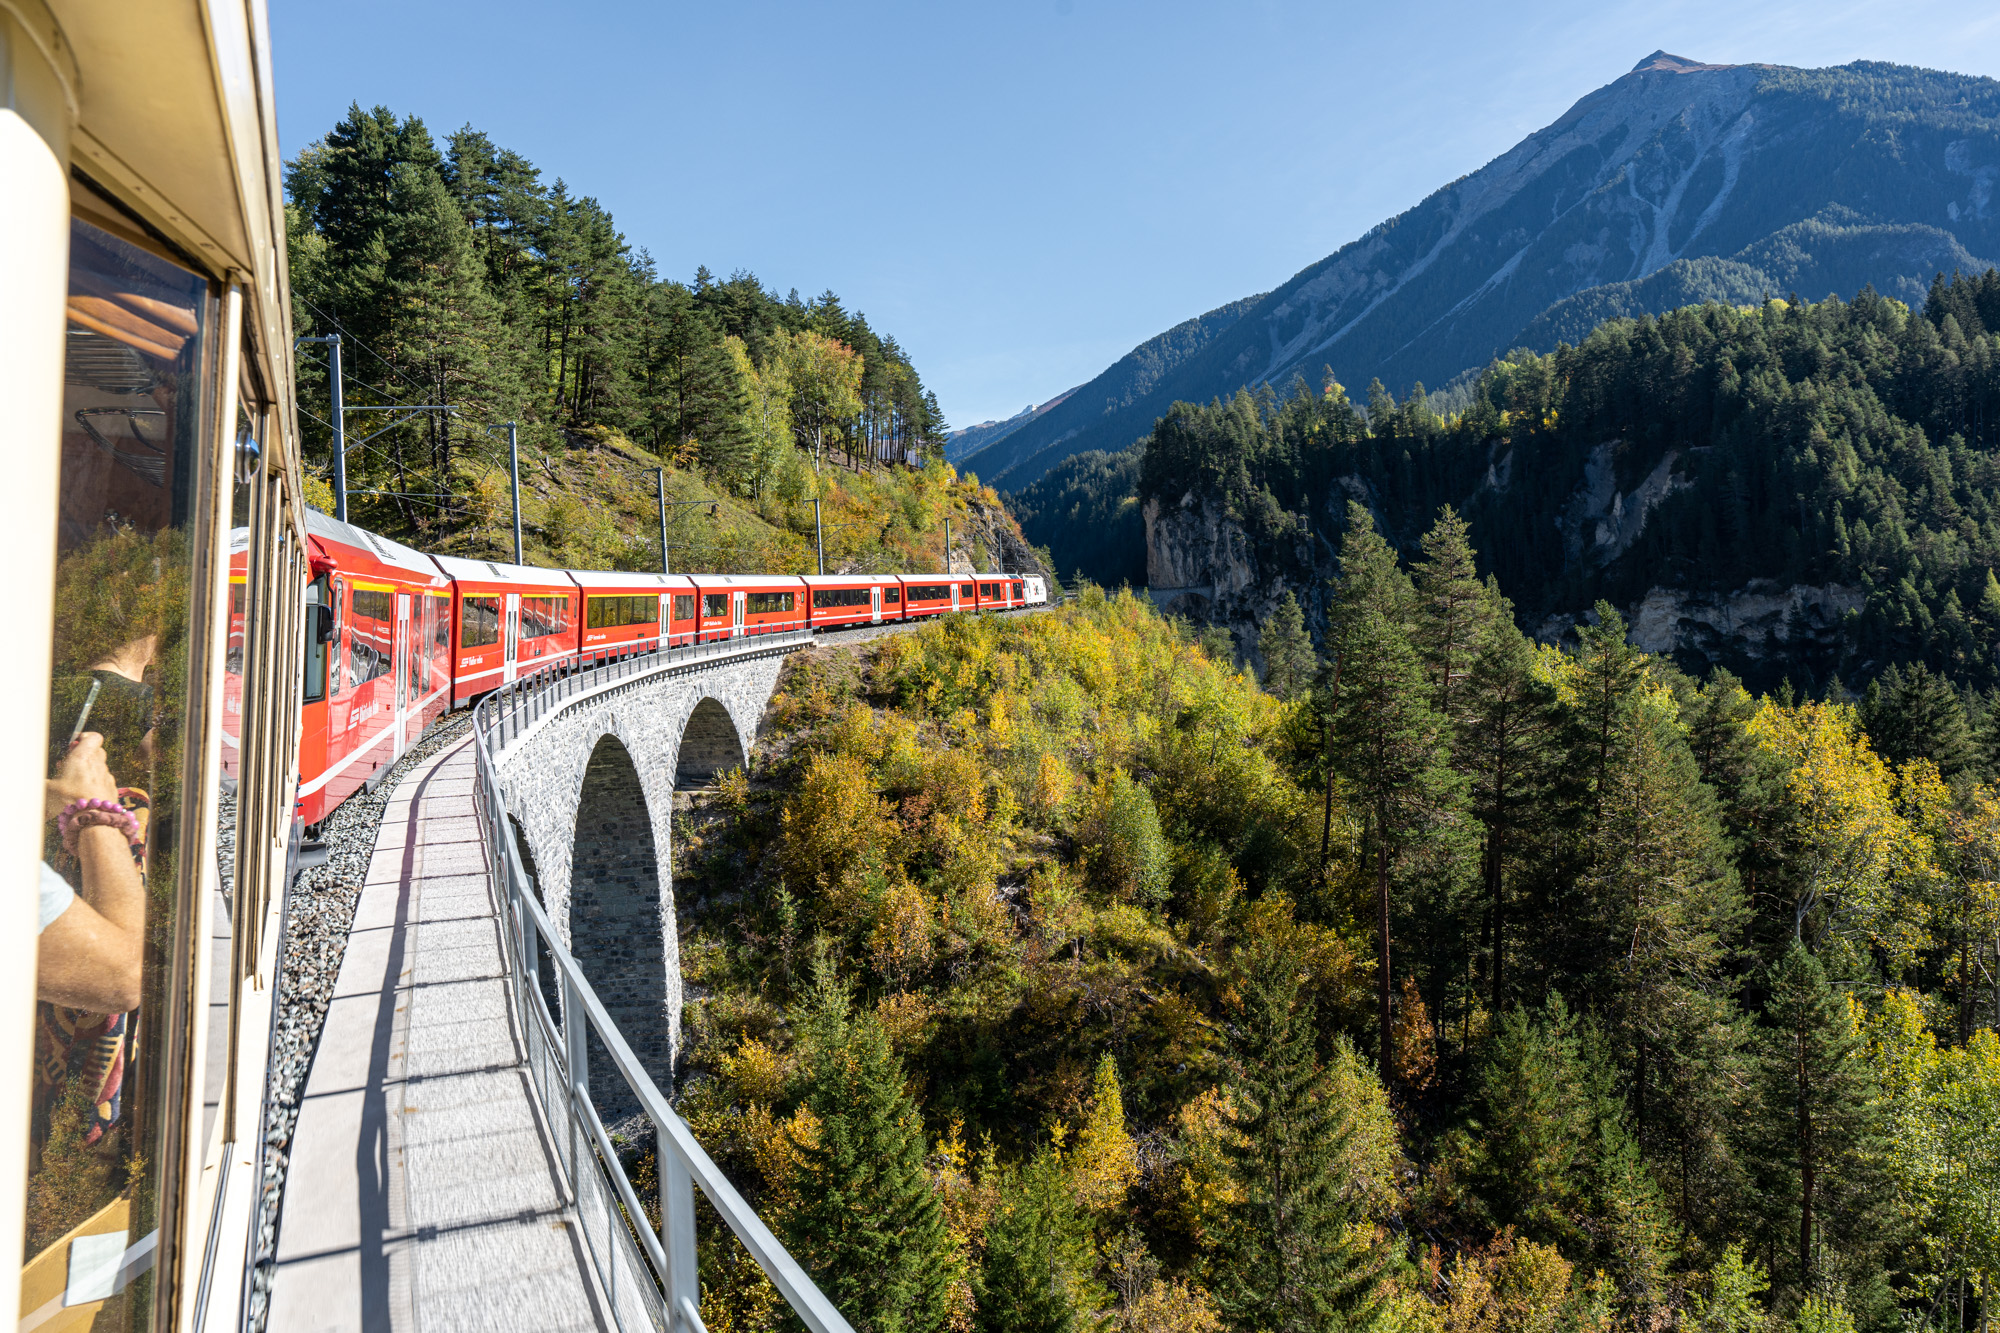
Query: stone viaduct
{"type": "Point", "coordinates": [590, 790]}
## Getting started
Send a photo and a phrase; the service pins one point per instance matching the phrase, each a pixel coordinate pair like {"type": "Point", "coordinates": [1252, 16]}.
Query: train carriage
{"type": "Point", "coordinates": [507, 620]}
{"type": "Point", "coordinates": [378, 659]}
{"type": "Point", "coordinates": [928, 595]}
{"type": "Point", "coordinates": [734, 605]}
{"type": "Point", "coordinates": [626, 612]}
{"type": "Point", "coordinates": [834, 600]}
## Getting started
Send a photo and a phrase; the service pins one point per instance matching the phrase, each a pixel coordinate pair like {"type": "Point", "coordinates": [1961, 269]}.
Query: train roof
{"type": "Point", "coordinates": [495, 571]}
{"type": "Point", "coordinates": [606, 578]}
{"type": "Point", "coordinates": [388, 551]}
{"type": "Point", "coordinates": [745, 580]}
{"type": "Point", "coordinates": [831, 579]}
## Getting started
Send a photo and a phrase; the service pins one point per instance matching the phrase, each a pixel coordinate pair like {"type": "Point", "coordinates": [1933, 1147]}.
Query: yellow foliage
{"type": "Point", "coordinates": [900, 944]}
{"type": "Point", "coordinates": [1853, 849]}
{"type": "Point", "coordinates": [905, 1017]}
{"type": "Point", "coordinates": [1105, 1161]}
{"type": "Point", "coordinates": [1510, 1286]}
{"type": "Point", "coordinates": [1205, 1189]}
{"type": "Point", "coordinates": [756, 1073]}
{"type": "Point", "coordinates": [834, 823]}
{"type": "Point", "coordinates": [1053, 784]}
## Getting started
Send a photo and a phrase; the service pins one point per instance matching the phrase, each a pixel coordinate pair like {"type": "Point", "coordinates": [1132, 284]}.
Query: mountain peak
{"type": "Point", "coordinates": [1672, 64]}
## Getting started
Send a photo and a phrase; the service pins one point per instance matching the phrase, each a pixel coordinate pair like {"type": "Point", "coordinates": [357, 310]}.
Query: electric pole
{"type": "Point", "coordinates": [514, 471]}
{"type": "Point", "coordinates": [819, 536]}
{"type": "Point", "coordinates": [947, 546]}
{"type": "Point", "coordinates": [660, 476]}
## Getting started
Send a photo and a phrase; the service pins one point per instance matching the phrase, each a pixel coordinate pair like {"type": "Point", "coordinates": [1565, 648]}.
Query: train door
{"type": "Point", "coordinates": [736, 615]}
{"type": "Point", "coordinates": [954, 597]}
{"type": "Point", "coordinates": [400, 658]}
{"type": "Point", "coordinates": [511, 637]}
{"type": "Point", "coordinates": [666, 623]}
{"type": "Point", "coordinates": [875, 604]}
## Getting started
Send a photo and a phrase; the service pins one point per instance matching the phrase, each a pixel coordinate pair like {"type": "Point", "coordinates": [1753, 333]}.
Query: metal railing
{"type": "Point", "coordinates": [649, 1277]}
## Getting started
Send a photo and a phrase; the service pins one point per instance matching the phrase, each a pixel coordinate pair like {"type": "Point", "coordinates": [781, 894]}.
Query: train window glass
{"type": "Point", "coordinates": [990, 591]}
{"type": "Point", "coordinates": [715, 604]}
{"type": "Point", "coordinates": [113, 878]}
{"type": "Point", "coordinates": [770, 603]}
{"type": "Point", "coordinates": [543, 616]}
{"type": "Point", "coordinates": [316, 597]}
{"type": "Point", "coordinates": [479, 622]}
{"type": "Point", "coordinates": [339, 603]}
{"type": "Point", "coordinates": [371, 633]}
{"type": "Point", "coordinates": [892, 596]}
{"type": "Point", "coordinates": [827, 598]}
{"type": "Point", "coordinates": [440, 635]}
{"type": "Point", "coordinates": [967, 591]}
{"type": "Point", "coordinates": [930, 592]}
{"type": "Point", "coordinates": [683, 606]}
{"type": "Point", "coordinates": [617, 612]}
{"type": "Point", "coordinates": [1018, 594]}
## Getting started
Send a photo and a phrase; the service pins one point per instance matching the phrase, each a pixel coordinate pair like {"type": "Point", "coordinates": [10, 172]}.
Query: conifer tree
{"type": "Point", "coordinates": [1296, 1257]}
{"type": "Point", "coordinates": [1815, 1140]}
{"type": "Point", "coordinates": [1505, 745]}
{"type": "Point", "coordinates": [1035, 1277]}
{"type": "Point", "coordinates": [1392, 747]}
{"type": "Point", "coordinates": [1289, 662]}
{"type": "Point", "coordinates": [1910, 712]}
{"type": "Point", "coordinates": [869, 1226]}
{"type": "Point", "coordinates": [1453, 610]}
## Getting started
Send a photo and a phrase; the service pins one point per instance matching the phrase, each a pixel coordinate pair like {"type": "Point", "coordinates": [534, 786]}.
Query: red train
{"type": "Point", "coordinates": [395, 638]}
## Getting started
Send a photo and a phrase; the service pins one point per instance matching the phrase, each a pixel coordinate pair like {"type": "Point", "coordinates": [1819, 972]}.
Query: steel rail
{"type": "Point", "coordinates": [648, 1274]}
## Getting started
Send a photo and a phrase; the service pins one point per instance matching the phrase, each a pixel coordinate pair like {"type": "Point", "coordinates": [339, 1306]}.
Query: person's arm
{"type": "Point", "coordinates": [90, 956]}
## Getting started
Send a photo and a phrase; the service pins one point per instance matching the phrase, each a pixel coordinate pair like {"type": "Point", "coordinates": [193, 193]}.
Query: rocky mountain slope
{"type": "Point", "coordinates": [1678, 182]}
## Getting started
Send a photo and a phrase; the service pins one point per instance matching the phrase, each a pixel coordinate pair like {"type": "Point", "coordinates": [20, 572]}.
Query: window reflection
{"type": "Point", "coordinates": [133, 419]}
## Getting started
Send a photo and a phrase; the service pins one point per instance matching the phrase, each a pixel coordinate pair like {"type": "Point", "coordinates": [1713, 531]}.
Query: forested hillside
{"type": "Point", "coordinates": [1049, 974]}
{"type": "Point", "coordinates": [1830, 466]}
{"type": "Point", "coordinates": [1678, 182]}
{"type": "Point", "coordinates": [456, 275]}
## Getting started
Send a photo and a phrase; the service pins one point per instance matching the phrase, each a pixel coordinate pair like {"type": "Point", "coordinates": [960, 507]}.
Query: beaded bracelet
{"type": "Point", "coordinates": [90, 812]}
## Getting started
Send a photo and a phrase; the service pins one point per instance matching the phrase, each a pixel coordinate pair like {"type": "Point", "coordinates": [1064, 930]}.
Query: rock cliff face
{"type": "Point", "coordinates": [1201, 563]}
{"type": "Point", "coordinates": [988, 540]}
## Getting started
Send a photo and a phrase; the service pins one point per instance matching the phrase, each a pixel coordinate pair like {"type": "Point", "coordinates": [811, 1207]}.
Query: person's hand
{"type": "Point", "coordinates": [81, 774]}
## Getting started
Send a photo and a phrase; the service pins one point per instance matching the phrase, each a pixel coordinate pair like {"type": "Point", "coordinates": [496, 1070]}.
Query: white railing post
{"type": "Point", "coordinates": [683, 1281]}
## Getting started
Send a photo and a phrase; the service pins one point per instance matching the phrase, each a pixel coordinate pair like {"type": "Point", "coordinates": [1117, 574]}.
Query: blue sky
{"type": "Point", "coordinates": [1020, 192]}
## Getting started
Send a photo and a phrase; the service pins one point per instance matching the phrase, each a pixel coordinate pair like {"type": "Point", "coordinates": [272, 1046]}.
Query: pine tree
{"type": "Point", "coordinates": [1910, 712]}
{"type": "Point", "coordinates": [1035, 1277]}
{"type": "Point", "coordinates": [1453, 610]}
{"type": "Point", "coordinates": [1815, 1139]}
{"type": "Point", "coordinates": [1294, 1258]}
{"type": "Point", "coordinates": [1289, 661]}
{"type": "Point", "coordinates": [869, 1226]}
{"type": "Point", "coordinates": [1506, 747]}
{"type": "Point", "coordinates": [1391, 746]}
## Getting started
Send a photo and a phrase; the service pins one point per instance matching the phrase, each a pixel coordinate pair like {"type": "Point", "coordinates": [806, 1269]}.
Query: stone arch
{"type": "Point", "coordinates": [710, 745]}
{"type": "Point", "coordinates": [618, 921]}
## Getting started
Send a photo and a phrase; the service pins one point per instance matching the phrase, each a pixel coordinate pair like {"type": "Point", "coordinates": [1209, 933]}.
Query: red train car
{"type": "Point", "coordinates": [634, 611]}
{"type": "Point", "coordinates": [1001, 592]}
{"type": "Point", "coordinates": [507, 620]}
{"type": "Point", "coordinates": [852, 599]}
{"type": "Point", "coordinates": [928, 595]}
{"type": "Point", "coordinates": [378, 659]}
{"type": "Point", "coordinates": [733, 605]}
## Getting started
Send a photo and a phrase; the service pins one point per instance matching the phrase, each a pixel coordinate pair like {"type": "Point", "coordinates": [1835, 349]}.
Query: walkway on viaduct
{"type": "Point", "coordinates": [428, 1185]}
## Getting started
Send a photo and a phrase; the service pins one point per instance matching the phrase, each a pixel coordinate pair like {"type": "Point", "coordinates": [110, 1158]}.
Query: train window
{"type": "Point", "coordinates": [825, 598]}
{"type": "Point", "coordinates": [617, 612]}
{"type": "Point", "coordinates": [1018, 594]}
{"type": "Point", "coordinates": [769, 603]}
{"type": "Point", "coordinates": [440, 632]}
{"type": "Point", "coordinates": [371, 633]}
{"type": "Point", "coordinates": [990, 591]}
{"type": "Point", "coordinates": [478, 622]}
{"type": "Point", "coordinates": [715, 604]}
{"type": "Point", "coordinates": [683, 606]}
{"type": "Point", "coordinates": [892, 596]}
{"type": "Point", "coordinates": [124, 797]}
{"type": "Point", "coordinates": [968, 592]}
{"type": "Point", "coordinates": [543, 616]}
{"type": "Point", "coordinates": [930, 592]}
{"type": "Point", "coordinates": [317, 594]}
